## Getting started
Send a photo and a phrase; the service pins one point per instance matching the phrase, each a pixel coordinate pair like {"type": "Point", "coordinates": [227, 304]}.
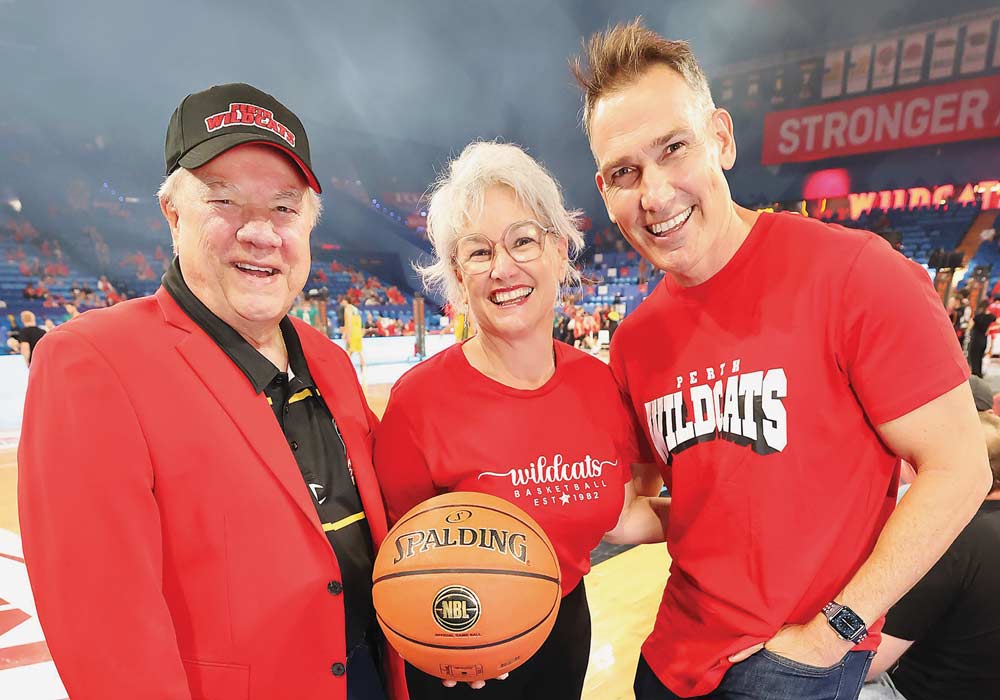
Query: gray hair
{"type": "Point", "coordinates": [458, 196]}
{"type": "Point", "coordinates": [172, 183]}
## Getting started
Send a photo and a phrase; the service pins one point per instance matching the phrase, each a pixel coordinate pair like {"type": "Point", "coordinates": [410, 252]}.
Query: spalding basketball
{"type": "Point", "coordinates": [466, 586]}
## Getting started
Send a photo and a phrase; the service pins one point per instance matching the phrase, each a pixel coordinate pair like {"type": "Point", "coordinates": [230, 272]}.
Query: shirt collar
{"type": "Point", "coordinates": [259, 370]}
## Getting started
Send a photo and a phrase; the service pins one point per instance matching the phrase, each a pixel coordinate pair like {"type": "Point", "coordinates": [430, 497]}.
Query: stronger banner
{"type": "Point", "coordinates": [957, 111]}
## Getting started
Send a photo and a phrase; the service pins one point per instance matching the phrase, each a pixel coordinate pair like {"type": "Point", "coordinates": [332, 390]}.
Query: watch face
{"type": "Point", "coordinates": [847, 623]}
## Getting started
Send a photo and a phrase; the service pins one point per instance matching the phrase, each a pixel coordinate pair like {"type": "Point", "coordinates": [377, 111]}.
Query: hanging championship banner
{"type": "Point", "coordinates": [977, 41]}
{"type": "Point", "coordinates": [911, 66]}
{"type": "Point", "coordinates": [752, 99]}
{"type": "Point", "coordinates": [943, 53]}
{"type": "Point", "coordinates": [884, 70]}
{"type": "Point", "coordinates": [778, 88]}
{"type": "Point", "coordinates": [725, 91]}
{"type": "Point", "coordinates": [809, 72]}
{"type": "Point", "coordinates": [859, 70]}
{"type": "Point", "coordinates": [833, 74]}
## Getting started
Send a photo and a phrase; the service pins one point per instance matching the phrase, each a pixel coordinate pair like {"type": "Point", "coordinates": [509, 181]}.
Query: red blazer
{"type": "Point", "coordinates": [172, 545]}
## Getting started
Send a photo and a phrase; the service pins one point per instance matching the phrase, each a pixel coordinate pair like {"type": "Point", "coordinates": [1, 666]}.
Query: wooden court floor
{"type": "Point", "coordinates": [624, 593]}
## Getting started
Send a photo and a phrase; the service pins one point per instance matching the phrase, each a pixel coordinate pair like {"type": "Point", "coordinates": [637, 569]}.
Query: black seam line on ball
{"type": "Point", "coordinates": [452, 647]}
{"type": "Point", "coordinates": [501, 572]}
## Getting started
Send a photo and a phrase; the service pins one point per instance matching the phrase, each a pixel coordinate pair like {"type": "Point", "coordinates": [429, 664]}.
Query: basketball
{"type": "Point", "coordinates": [466, 586]}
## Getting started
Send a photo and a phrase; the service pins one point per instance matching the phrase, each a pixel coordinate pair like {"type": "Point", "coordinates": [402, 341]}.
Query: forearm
{"type": "Point", "coordinates": [643, 521]}
{"type": "Point", "coordinates": [936, 508]}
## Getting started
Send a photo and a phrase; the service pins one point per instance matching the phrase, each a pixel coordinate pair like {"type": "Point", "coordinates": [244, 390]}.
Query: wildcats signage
{"type": "Point", "coordinates": [959, 111]}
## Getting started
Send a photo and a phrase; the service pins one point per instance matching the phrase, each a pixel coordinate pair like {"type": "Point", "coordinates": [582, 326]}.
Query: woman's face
{"type": "Point", "coordinates": [511, 299]}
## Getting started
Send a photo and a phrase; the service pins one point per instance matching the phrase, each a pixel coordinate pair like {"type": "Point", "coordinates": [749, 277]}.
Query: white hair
{"type": "Point", "coordinates": [458, 196]}
{"type": "Point", "coordinates": [170, 186]}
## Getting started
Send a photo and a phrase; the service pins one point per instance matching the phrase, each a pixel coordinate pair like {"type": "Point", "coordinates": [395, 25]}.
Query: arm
{"type": "Point", "coordinates": [643, 519]}
{"type": "Point", "coordinates": [400, 465]}
{"type": "Point", "coordinates": [888, 654]}
{"type": "Point", "coordinates": [25, 349]}
{"type": "Point", "coordinates": [943, 442]}
{"type": "Point", "coordinates": [91, 530]}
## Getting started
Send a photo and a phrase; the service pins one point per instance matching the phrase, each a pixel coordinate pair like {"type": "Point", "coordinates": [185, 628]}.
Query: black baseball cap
{"type": "Point", "coordinates": [210, 122]}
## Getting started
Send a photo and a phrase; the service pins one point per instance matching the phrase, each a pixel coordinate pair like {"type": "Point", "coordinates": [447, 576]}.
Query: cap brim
{"type": "Point", "coordinates": [207, 150]}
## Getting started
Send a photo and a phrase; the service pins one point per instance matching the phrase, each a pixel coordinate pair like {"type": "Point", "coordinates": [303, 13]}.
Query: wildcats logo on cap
{"type": "Point", "coordinates": [242, 113]}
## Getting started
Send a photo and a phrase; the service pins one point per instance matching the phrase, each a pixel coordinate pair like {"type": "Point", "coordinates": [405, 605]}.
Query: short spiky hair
{"type": "Point", "coordinates": [622, 54]}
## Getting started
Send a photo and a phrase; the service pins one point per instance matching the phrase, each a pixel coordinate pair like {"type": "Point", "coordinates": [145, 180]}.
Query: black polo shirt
{"type": "Point", "coordinates": [316, 444]}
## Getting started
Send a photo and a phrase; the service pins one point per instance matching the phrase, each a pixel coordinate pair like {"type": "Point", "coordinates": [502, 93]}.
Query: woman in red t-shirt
{"type": "Point", "coordinates": [510, 411]}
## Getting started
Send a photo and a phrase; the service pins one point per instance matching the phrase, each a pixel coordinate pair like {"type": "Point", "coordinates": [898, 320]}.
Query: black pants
{"type": "Point", "coordinates": [364, 681]}
{"type": "Point", "coordinates": [977, 347]}
{"type": "Point", "coordinates": [555, 672]}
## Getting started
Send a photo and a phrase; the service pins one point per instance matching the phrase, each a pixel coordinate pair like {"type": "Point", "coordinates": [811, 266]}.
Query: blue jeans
{"type": "Point", "coordinates": [767, 676]}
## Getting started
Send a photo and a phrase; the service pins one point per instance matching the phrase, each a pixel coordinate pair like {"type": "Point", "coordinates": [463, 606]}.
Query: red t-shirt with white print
{"type": "Point", "coordinates": [562, 452]}
{"type": "Point", "coordinates": [758, 390]}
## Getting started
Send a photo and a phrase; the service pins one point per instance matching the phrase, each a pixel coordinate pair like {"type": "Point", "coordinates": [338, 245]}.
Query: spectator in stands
{"type": "Point", "coordinates": [229, 537]}
{"type": "Point", "coordinates": [471, 417]}
{"type": "Point", "coordinates": [960, 313]}
{"type": "Point", "coordinates": [353, 333]}
{"type": "Point", "coordinates": [941, 641]}
{"type": "Point", "coordinates": [981, 323]}
{"type": "Point", "coordinates": [993, 334]}
{"type": "Point", "coordinates": [767, 371]}
{"type": "Point", "coordinates": [28, 335]}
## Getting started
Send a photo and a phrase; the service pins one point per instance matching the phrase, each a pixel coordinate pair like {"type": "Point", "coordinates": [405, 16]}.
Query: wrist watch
{"type": "Point", "coordinates": [845, 622]}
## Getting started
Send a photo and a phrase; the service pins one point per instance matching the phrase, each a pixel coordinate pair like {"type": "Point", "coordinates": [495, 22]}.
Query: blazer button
{"type": "Point", "coordinates": [338, 669]}
{"type": "Point", "coordinates": [335, 587]}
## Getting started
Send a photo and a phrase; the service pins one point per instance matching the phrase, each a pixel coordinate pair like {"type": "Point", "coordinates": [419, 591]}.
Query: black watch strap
{"type": "Point", "coordinates": [845, 622]}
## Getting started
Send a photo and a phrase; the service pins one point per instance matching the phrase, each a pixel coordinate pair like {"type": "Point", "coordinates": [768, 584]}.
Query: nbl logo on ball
{"type": "Point", "coordinates": [456, 608]}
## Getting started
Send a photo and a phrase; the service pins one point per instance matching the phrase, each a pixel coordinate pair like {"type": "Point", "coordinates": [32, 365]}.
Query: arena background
{"type": "Point", "coordinates": [388, 92]}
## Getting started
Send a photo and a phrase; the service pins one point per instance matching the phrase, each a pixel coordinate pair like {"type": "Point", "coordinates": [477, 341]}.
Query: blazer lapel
{"type": "Point", "coordinates": [249, 411]}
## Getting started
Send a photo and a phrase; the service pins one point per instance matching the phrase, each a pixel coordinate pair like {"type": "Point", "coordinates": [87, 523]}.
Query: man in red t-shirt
{"type": "Point", "coordinates": [778, 422]}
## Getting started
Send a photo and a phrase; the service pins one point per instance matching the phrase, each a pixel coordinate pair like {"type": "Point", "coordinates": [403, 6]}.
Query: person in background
{"type": "Point", "coordinates": [980, 325]}
{"type": "Point", "coordinates": [941, 641]}
{"type": "Point", "coordinates": [28, 335]}
{"type": "Point", "coordinates": [353, 332]}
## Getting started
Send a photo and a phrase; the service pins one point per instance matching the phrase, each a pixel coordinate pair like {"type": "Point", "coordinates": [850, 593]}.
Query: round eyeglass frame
{"type": "Point", "coordinates": [503, 241]}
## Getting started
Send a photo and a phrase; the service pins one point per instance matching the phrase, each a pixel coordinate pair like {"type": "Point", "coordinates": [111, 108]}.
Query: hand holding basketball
{"type": "Point", "coordinates": [466, 586]}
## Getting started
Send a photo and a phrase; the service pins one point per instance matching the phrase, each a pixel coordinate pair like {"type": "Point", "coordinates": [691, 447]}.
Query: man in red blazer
{"type": "Point", "coordinates": [198, 506]}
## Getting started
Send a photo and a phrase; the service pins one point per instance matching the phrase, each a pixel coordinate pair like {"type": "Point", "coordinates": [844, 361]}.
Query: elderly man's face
{"type": "Point", "coordinates": [241, 226]}
{"type": "Point", "coordinates": [661, 159]}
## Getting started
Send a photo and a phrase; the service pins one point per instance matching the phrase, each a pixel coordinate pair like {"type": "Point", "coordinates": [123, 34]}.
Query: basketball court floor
{"type": "Point", "coordinates": [624, 592]}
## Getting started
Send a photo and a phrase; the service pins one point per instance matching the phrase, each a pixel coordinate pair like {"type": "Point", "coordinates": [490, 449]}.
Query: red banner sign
{"type": "Point", "coordinates": [958, 111]}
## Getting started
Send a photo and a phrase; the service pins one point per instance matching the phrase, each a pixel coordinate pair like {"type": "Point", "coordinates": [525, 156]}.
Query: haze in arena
{"type": "Point", "coordinates": [860, 144]}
